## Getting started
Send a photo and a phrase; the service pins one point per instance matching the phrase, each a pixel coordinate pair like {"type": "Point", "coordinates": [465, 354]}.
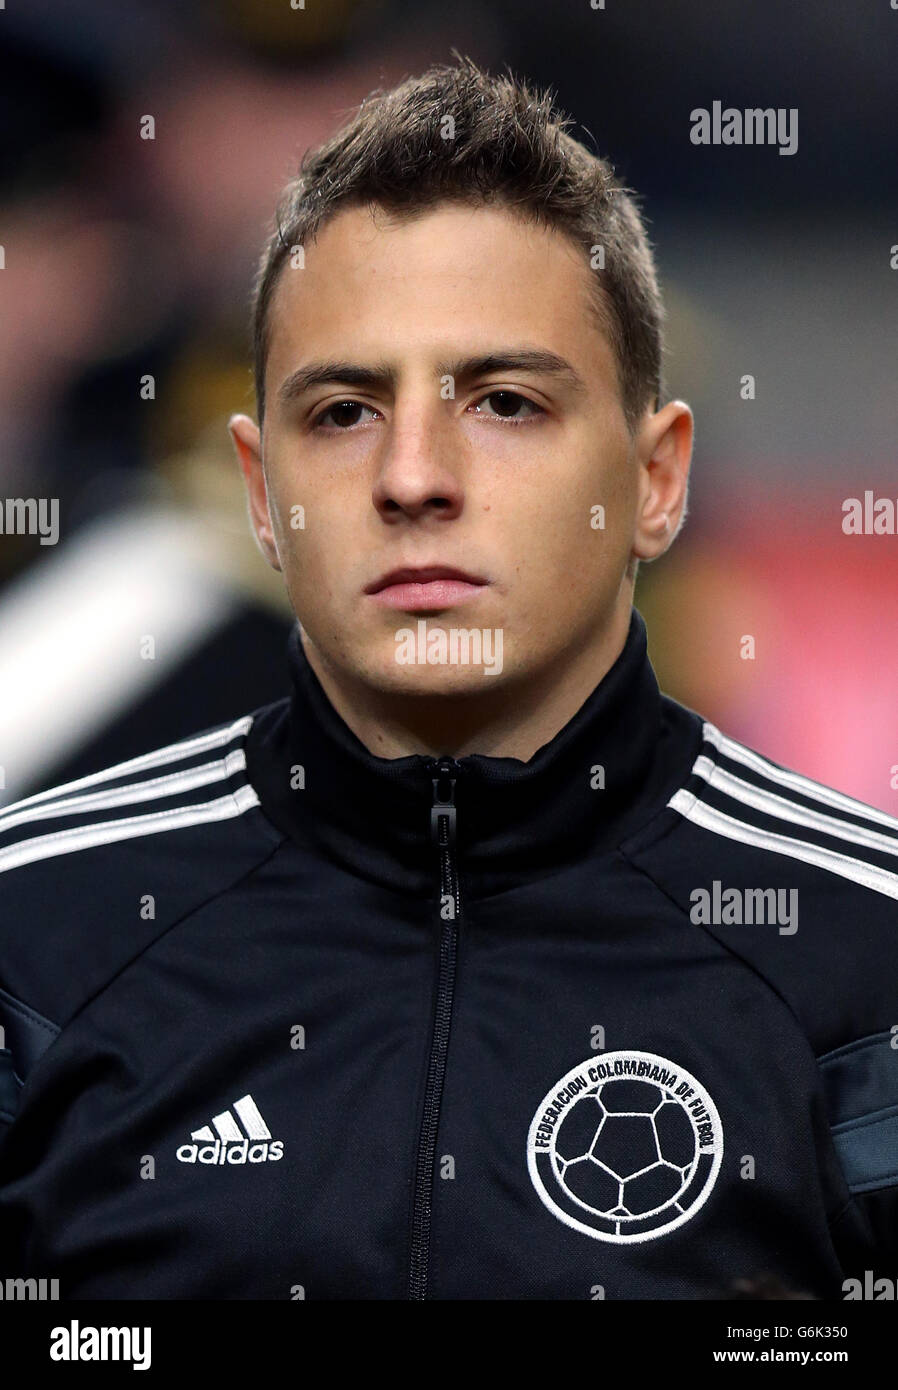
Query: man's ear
{"type": "Point", "coordinates": [663, 454]}
{"type": "Point", "coordinates": [248, 445]}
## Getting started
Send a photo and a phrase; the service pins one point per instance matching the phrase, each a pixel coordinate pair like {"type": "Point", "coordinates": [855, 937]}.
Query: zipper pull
{"type": "Point", "coordinates": [443, 809]}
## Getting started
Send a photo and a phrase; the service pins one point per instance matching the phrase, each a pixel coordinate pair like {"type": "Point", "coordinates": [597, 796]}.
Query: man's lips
{"type": "Point", "coordinates": [430, 587]}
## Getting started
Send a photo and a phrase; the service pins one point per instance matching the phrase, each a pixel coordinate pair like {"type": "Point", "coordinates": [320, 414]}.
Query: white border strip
{"type": "Point", "coordinates": [159, 757]}
{"type": "Point", "coordinates": [108, 832]}
{"type": "Point", "coordinates": [880, 880]}
{"type": "Point", "coordinates": [171, 785]}
{"type": "Point", "coordinates": [815, 791]}
{"type": "Point", "coordinates": [772, 805]}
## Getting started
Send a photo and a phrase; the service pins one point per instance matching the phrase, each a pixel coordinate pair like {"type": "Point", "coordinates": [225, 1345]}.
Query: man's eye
{"type": "Point", "coordinates": [506, 405]}
{"type": "Point", "coordinates": [344, 414]}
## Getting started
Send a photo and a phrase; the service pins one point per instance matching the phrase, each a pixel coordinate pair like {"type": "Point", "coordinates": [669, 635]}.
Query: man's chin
{"type": "Point", "coordinates": [419, 659]}
{"type": "Point", "coordinates": [433, 656]}
{"type": "Point", "coordinates": [425, 681]}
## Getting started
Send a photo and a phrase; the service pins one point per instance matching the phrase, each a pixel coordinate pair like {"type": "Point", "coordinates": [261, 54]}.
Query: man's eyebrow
{"type": "Point", "coordinates": [327, 373]}
{"type": "Point", "coordinates": [538, 360]}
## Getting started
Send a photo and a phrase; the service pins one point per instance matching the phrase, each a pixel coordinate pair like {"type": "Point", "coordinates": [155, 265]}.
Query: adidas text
{"type": "Point", "coordinates": [240, 1152]}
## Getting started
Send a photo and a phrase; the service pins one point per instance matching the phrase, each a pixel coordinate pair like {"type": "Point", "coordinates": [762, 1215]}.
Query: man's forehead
{"type": "Point", "coordinates": [317, 319]}
{"type": "Point", "coordinates": [447, 245]}
{"type": "Point", "coordinates": [349, 282]}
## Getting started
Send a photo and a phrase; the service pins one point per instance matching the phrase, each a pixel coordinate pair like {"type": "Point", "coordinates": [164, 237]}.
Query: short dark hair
{"type": "Point", "coordinates": [458, 134]}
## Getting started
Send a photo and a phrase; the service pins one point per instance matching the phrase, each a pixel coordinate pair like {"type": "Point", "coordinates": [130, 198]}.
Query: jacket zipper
{"type": "Point", "coordinates": [443, 834]}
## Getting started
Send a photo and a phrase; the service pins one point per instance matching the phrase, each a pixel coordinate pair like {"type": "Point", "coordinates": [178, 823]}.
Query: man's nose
{"type": "Point", "coordinates": [420, 470]}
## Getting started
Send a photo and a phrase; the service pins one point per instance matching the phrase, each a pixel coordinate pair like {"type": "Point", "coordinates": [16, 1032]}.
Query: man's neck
{"type": "Point", "coordinates": [513, 721]}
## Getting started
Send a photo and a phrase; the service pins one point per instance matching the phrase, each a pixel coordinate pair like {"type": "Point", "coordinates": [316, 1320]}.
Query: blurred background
{"type": "Point", "coordinates": [126, 259]}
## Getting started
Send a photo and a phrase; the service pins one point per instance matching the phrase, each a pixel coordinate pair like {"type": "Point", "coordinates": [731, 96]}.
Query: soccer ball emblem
{"type": "Point", "coordinates": [625, 1150]}
{"type": "Point", "coordinates": [621, 1156]}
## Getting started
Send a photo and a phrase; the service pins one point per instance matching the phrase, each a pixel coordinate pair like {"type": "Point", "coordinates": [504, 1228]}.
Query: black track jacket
{"type": "Point", "coordinates": [284, 1019]}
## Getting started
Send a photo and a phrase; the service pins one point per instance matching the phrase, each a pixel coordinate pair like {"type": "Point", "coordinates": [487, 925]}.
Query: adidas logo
{"type": "Point", "coordinates": [231, 1144]}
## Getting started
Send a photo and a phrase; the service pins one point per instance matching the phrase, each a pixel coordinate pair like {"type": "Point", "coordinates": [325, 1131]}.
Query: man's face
{"type": "Point", "coordinates": [414, 455]}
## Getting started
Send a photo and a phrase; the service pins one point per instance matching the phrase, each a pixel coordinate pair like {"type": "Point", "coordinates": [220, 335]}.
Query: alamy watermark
{"type": "Point", "coordinates": [29, 1290]}
{"type": "Point", "coordinates": [755, 125]}
{"type": "Point", "coordinates": [870, 515]}
{"type": "Point", "coordinates": [874, 1290]}
{"type": "Point", "coordinates": [725, 907]}
{"type": "Point", "coordinates": [454, 646]}
{"type": "Point", "coordinates": [79, 1342]}
{"type": "Point", "coordinates": [30, 516]}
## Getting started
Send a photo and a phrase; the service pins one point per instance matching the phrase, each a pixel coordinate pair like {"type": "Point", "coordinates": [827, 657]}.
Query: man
{"type": "Point", "coordinates": [475, 968]}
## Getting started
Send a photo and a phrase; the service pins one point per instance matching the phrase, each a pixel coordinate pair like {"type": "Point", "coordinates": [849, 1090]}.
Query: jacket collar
{"type": "Point", "coordinates": [516, 821]}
